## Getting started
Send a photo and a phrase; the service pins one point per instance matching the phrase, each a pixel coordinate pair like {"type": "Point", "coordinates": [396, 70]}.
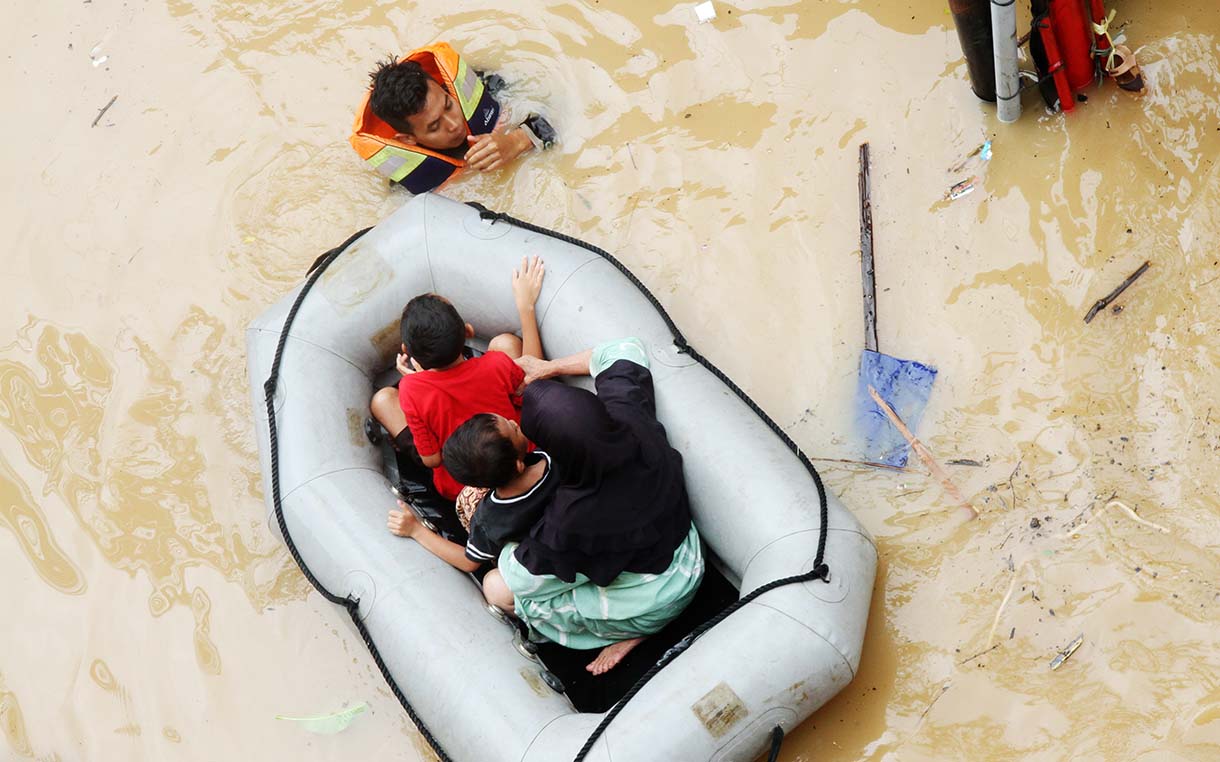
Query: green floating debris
{"type": "Point", "coordinates": [328, 724]}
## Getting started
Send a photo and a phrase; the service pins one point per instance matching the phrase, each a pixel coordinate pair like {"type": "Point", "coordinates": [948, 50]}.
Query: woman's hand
{"type": "Point", "coordinates": [527, 282]}
{"type": "Point", "coordinates": [403, 521]}
{"type": "Point", "coordinates": [535, 370]}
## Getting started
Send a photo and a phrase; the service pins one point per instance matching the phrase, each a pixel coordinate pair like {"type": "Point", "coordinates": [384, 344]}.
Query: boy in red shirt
{"type": "Point", "coordinates": [441, 388]}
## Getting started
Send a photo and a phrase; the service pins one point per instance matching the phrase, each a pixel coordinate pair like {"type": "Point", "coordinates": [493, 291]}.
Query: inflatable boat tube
{"type": "Point", "coordinates": [770, 663]}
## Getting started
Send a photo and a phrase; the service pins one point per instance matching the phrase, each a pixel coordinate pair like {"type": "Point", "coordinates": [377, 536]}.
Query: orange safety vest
{"type": "Point", "coordinates": [416, 168]}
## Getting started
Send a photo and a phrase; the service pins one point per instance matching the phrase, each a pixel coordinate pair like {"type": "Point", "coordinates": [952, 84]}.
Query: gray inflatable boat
{"type": "Point", "coordinates": [477, 694]}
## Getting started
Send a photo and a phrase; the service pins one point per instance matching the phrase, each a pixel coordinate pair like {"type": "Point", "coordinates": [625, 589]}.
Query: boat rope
{"type": "Point", "coordinates": [777, 741]}
{"type": "Point", "coordinates": [820, 570]}
{"type": "Point", "coordinates": [352, 605]}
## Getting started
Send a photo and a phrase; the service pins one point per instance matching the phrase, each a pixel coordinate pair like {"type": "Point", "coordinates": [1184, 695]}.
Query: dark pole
{"type": "Point", "coordinates": [973, 21]}
{"type": "Point", "coordinates": [866, 254]}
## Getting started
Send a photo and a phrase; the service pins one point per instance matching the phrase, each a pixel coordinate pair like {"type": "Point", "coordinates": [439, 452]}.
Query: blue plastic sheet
{"type": "Point", "coordinates": [906, 386]}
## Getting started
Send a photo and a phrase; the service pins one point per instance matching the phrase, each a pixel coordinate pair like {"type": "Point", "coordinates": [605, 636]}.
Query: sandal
{"type": "Point", "coordinates": [1125, 71]}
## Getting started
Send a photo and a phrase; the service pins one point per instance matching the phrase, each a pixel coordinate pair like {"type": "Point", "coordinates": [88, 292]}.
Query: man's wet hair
{"type": "Point", "coordinates": [477, 454]}
{"type": "Point", "coordinates": [399, 92]}
{"type": "Point", "coordinates": [433, 331]}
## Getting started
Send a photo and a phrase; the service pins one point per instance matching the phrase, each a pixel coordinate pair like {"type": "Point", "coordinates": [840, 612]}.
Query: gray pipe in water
{"type": "Point", "coordinates": [1007, 79]}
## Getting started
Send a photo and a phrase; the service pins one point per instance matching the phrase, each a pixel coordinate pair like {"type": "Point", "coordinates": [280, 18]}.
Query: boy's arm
{"type": "Point", "coordinates": [404, 524]}
{"type": "Point", "coordinates": [431, 461]}
{"type": "Point", "coordinates": [527, 284]}
{"type": "Point", "coordinates": [420, 433]}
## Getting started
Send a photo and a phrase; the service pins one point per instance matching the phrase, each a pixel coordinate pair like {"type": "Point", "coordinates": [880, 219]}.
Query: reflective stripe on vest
{"type": "Point", "coordinates": [469, 88]}
{"type": "Point", "coordinates": [396, 163]}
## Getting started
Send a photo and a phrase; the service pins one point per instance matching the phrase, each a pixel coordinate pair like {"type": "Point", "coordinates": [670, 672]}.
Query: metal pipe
{"type": "Point", "coordinates": [1007, 78]}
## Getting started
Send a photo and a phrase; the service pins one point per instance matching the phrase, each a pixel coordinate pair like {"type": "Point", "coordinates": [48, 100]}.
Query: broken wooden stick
{"type": "Point", "coordinates": [101, 113]}
{"type": "Point", "coordinates": [1112, 503]}
{"type": "Point", "coordinates": [867, 274]}
{"type": "Point", "coordinates": [865, 463]}
{"type": "Point", "coordinates": [1104, 302]}
{"type": "Point", "coordinates": [923, 452]}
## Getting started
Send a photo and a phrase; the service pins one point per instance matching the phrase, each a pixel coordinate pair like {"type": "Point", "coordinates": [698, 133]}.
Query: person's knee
{"type": "Point", "coordinates": [508, 343]}
{"type": "Point", "coordinates": [496, 590]}
{"type": "Point", "coordinates": [384, 406]}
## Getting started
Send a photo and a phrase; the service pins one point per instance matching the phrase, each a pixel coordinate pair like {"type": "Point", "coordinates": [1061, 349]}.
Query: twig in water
{"type": "Point", "coordinates": [631, 156]}
{"type": "Point", "coordinates": [1016, 576]}
{"type": "Point", "coordinates": [1011, 488]}
{"type": "Point", "coordinates": [865, 463]}
{"type": "Point", "coordinates": [1104, 302]}
{"type": "Point", "coordinates": [105, 108]}
{"type": "Point", "coordinates": [943, 688]}
{"type": "Point", "coordinates": [1115, 504]}
{"type": "Point", "coordinates": [980, 653]}
{"type": "Point", "coordinates": [924, 454]}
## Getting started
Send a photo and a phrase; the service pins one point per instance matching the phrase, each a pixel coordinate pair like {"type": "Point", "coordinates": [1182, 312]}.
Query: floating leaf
{"type": "Point", "coordinates": [328, 724]}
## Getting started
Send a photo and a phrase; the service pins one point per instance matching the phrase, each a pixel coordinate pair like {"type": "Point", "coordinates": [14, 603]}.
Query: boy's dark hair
{"type": "Point", "coordinates": [399, 91]}
{"type": "Point", "coordinates": [478, 455]}
{"type": "Point", "coordinates": [433, 331]}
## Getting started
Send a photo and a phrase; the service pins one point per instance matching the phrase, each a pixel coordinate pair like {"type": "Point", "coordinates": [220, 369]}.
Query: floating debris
{"type": "Point", "coordinates": [983, 152]}
{"type": "Point", "coordinates": [705, 12]}
{"type": "Point", "coordinates": [96, 56]}
{"type": "Point", "coordinates": [328, 724]}
{"type": "Point", "coordinates": [1066, 653]}
{"type": "Point", "coordinates": [105, 108]}
{"type": "Point", "coordinates": [964, 462]}
{"type": "Point", "coordinates": [964, 188]}
{"type": "Point", "coordinates": [1073, 531]}
{"type": "Point", "coordinates": [1104, 302]}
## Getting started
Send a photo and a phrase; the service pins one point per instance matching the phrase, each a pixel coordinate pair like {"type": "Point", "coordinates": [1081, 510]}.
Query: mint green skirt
{"type": "Point", "coordinates": [581, 615]}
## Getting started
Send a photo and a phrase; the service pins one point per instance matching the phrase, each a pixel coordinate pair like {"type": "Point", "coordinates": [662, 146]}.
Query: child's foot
{"type": "Point", "coordinates": [611, 655]}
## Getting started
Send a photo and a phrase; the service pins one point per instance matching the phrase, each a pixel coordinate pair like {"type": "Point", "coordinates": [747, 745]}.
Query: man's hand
{"type": "Point", "coordinates": [535, 370]}
{"type": "Point", "coordinates": [403, 521]}
{"type": "Point", "coordinates": [527, 282]}
{"type": "Point", "coordinates": [495, 149]}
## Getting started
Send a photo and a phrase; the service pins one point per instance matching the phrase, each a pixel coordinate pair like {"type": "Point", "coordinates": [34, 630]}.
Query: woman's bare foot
{"type": "Point", "coordinates": [611, 655]}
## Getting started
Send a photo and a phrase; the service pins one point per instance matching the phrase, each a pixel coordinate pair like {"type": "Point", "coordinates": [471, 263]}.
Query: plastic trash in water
{"type": "Point", "coordinates": [705, 12]}
{"type": "Point", "coordinates": [328, 724]}
{"type": "Point", "coordinates": [95, 56]}
{"type": "Point", "coordinates": [906, 386]}
{"type": "Point", "coordinates": [982, 152]}
{"type": "Point", "coordinates": [964, 188]}
{"type": "Point", "coordinates": [1066, 653]}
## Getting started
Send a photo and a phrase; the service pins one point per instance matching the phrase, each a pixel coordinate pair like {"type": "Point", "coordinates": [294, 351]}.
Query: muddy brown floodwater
{"type": "Point", "coordinates": [150, 615]}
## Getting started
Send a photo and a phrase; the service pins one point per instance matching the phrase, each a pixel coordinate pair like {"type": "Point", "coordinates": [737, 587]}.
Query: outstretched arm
{"type": "Point", "coordinates": [538, 370]}
{"type": "Point", "coordinates": [404, 524]}
{"type": "Point", "coordinates": [527, 284]}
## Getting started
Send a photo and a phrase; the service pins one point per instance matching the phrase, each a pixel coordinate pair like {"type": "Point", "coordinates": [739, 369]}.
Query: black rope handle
{"type": "Point", "coordinates": [777, 741]}
{"type": "Point", "coordinates": [820, 570]}
{"type": "Point", "coordinates": [352, 605]}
